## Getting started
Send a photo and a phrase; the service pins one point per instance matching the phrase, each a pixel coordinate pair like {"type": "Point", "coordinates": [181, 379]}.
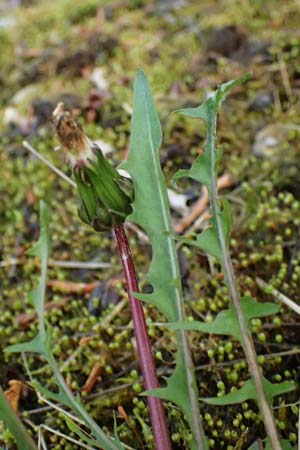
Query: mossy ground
{"type": "Point", "coordinates": [173, 42]}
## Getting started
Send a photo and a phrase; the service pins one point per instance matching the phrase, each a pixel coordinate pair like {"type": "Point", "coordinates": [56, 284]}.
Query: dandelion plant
{"type": "Point", "coordinates": [106, 200]}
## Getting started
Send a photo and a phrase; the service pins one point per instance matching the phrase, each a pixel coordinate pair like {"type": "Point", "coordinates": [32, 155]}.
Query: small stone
{"type": "Point", "coordinates": [270, 140]}
{"type": "Point", "coordinates": [262, 101]}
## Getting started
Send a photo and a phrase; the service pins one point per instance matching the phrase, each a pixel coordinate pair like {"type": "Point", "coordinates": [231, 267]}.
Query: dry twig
{"type": "Point", "coordinates": [278, 295]}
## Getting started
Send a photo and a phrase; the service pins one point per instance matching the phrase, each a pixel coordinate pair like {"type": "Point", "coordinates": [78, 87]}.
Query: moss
{"type": "Point", "coordinates": [170, 45]}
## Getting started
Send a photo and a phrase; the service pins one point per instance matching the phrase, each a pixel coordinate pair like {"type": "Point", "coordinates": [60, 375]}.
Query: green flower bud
{"type": "Point", "coordinates": [105, 196]}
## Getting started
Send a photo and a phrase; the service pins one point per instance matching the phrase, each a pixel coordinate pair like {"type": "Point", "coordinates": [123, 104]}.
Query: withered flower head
{"type": "Point", "coordinates": [105, 196]}
{"type": "Point", "coordinates": [74, 142]}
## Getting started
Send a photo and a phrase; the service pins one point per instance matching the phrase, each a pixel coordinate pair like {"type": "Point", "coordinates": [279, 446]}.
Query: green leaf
{"type": "Point", "coordinates": [224, 89]}
{"type": "Point", "coordinates": [227, 219]}
{"type": "Point", "coordinates": [59, 397]}
{"type": "Point", "coordinates": [284, 443]}
{"type": "Point", "coordinates": [150, 195]}
{"type": "Point", "coordinates": [117, 439]}
{"type": "Point", "coordinates": [248, 392]}
{"type": "Point", "coordinates": [42, 250]}
{"type": "Point", "coordinates": [151, 212]}
{"type": "Point", "coordinates": [200, 170]}
{"type": "Point", "coordinates": [77, 430]}
{"type": "Point", "coordinates": [208, 240]}
{"type": "Point", "coordinates": [66, 397]}
{"type": "Point", "coordinates": [42, 342]}
{"type": "Point", "coordinates": [176, 390]}
{"type": "Point", "coordinates": [255, 446]}
{"type": "Point", "coordinates": [42, 246]}
{"type": "Point", "coordinates": [226, 322]}
{"type": "Point", "coordinates": [14, 424]}
{"type": "Point", "coordinates": [212, 104]}
{"type": "Point", "coordinates": [204, 111]}
{"type": "Point", "coordinates": [36, 345]}
{"type": "Point", "coordinates": [215, 241]}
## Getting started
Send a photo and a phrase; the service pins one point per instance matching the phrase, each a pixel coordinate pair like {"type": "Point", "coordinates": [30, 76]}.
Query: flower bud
{"type": "Point", "coordinates": [105, 196]}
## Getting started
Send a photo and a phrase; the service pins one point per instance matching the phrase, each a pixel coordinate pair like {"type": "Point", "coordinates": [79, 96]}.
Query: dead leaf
{"type": "Point", "coordinates": [92, 378]}
{"type": "Point", "coordinates": [71, 287]}
{"type": "Point", "coordinates": [13, 393]}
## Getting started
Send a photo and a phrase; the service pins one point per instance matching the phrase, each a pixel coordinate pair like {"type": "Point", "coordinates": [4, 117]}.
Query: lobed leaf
{"type": "Point", "coordinates": [42, 342]}
{"type": "Point", "coordinates": [212, 104]}
{"type": "Point", "coordinates": [248, 392]}
{"type": "Point", "coordinates": [151, 212]}
{"type": "Point", "coordinates": [226, 322]}
{"type": "Point", "coordinates": [151, 206]}
{"type": "Point", "coordinates": [215, 242]}
{"type": "Point", "coordinates": [176, 390]}
{"type": "Point", "coordinates": [200, 170]}
{"type": "Point", "coordinates": [224, 89]}
{"type": "Point", "coordinates": [59, 397]}
{"type": "Point", "coordinates": [208, 240]}
{"type": "Point", "coordinates": [39, 344]}
{"type": "Point", "coordinates": [74, 428]}
{"type": "Point", "coordinates": [204, 111]}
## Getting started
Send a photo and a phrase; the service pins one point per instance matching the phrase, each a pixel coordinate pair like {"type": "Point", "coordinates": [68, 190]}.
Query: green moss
{"type": "Point", "coordinates": [170, 46]}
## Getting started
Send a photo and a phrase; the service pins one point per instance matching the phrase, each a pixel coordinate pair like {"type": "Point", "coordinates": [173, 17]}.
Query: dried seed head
{"type": "Point", "coordinates": [75, 143]}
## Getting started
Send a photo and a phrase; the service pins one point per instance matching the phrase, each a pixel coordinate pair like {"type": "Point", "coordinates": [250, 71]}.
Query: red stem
{"type": "Point", "coordinates": [157, 412]}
